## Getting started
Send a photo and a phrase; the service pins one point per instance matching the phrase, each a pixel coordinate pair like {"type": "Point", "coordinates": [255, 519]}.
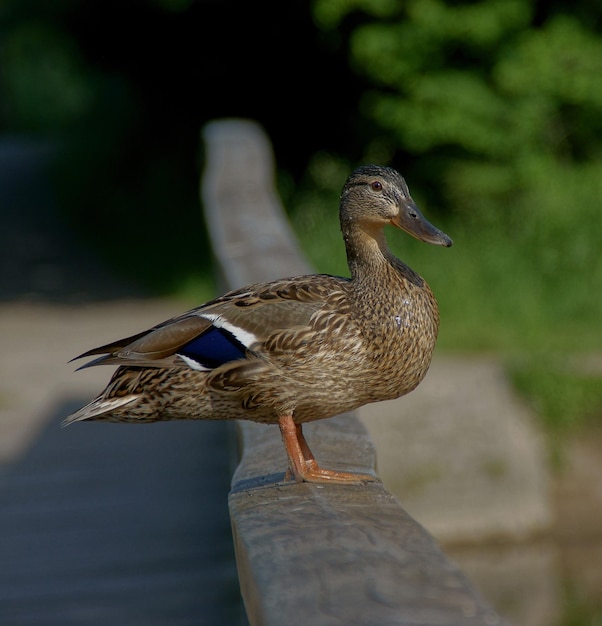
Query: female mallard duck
{"type": "Point", "coordinates": [296, 349]}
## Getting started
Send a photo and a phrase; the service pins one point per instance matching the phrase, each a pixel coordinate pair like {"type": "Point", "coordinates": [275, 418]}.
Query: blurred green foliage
{"type": "Point", "coordinates": [126, 185]}
{"type": "Point", "coordinates": [493, 112]}
{"type": "Point", "coordinates": [122, 90]}
{"type": "Point", "coordinates": [44, 79]}
{"type": "Point", "coordinates": [568, 398]}
{"type": "Point", "coordinates": [579, 609]}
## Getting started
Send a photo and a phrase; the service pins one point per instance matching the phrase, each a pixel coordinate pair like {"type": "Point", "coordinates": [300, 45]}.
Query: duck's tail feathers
{"type": "Point", "coordinates": [98, 408]}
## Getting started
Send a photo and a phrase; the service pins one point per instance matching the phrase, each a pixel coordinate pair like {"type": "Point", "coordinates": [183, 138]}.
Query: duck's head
{"type": "Point", "coordinates": [374, 196]}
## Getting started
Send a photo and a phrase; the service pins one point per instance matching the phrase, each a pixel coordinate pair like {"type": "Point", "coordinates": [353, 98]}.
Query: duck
{"type": "Point", "coordinates": [292, 350]}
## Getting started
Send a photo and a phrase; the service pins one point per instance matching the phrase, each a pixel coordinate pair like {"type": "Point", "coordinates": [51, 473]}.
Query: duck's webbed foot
{"type": "Point", "coordinates": [302, 463]}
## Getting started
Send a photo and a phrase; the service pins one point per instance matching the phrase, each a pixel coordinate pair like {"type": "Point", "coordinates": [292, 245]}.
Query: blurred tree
{"type": "Point", "coordinates": [501, 101]}
{"type": "Point", "coordinates": [124, 89]}
{"type": "Point", "coordinates": [44, 79]}
{"type": "Point", "coordinates": [493, 89]}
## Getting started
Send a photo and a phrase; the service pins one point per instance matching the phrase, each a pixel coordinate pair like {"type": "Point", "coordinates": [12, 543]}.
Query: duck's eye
{"type": "Point", "coordinates": [377, 185]}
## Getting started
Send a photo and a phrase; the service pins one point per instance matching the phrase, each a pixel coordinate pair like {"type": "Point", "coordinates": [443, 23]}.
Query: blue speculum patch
{"type": "Point", "coordinates": [214, 348]}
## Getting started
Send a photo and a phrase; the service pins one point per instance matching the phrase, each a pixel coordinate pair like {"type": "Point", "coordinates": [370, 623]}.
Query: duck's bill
{"type": "Point", "coordinates": [411, 220]}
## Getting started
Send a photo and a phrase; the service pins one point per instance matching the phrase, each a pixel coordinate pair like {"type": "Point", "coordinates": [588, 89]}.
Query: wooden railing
{"type": "Point", "coordinates": [306, 553]}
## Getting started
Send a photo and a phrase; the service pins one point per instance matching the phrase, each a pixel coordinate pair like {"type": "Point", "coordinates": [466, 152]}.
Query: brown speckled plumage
{"type": "Point", "coordinates": [292, 350]}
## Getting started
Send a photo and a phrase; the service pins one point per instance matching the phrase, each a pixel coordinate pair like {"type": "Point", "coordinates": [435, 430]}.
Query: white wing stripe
{"type": "Point", "coordinates": [195, 365]}
{"type": "Point", "coordinates": [244, 336]}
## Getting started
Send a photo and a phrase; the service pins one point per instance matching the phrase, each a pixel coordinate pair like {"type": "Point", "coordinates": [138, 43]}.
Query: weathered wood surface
{"type": "Point", "coordinates": [314, 554]}
{"type": "Point", "coordinates": [250, 238]}
{"type": "Point", "coordinates": [117, 525]}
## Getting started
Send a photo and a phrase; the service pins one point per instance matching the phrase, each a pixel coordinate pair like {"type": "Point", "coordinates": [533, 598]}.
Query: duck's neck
{"type": "Point", "coordinates": [369, 257]}
{"type": "Point", "coordinates": [367, 250]}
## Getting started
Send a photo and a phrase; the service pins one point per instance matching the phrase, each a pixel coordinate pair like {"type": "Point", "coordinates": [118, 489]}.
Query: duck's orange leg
{"type": "Point", "coordinates": [302, 463]}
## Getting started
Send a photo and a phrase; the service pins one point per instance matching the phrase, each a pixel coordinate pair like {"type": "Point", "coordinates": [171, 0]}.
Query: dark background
{"type": "Point", "coordinates": [121, 90]}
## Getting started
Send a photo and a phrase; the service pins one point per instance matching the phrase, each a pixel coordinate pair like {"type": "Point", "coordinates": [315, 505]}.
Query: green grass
{"type": "Point", "coordinates": [566, 397]}
{"type": "Point", "coordinates": [578, 609]}
{"type": "Point", "coordinates": [195, 288]}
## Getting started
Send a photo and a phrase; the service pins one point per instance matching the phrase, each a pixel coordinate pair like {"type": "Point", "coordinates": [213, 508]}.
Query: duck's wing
{"type": "Point", "coordinates": [227, 329]}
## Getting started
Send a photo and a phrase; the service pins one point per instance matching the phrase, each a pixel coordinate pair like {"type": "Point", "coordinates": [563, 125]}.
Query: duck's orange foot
{"type": "Point", "coordinates": [313, 473]}
{"type": "Point", "coordinates": [303, 466]}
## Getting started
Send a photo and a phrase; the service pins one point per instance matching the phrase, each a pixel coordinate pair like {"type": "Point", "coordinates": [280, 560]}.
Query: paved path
{"type": "Point", "coordinates": [104, 523]}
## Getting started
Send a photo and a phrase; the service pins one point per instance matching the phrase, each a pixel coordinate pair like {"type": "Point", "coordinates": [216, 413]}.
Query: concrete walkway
{"type": "Point", "coordinates": [104, 524]}
{"type": "Point", "coordinates": [464, 455]}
